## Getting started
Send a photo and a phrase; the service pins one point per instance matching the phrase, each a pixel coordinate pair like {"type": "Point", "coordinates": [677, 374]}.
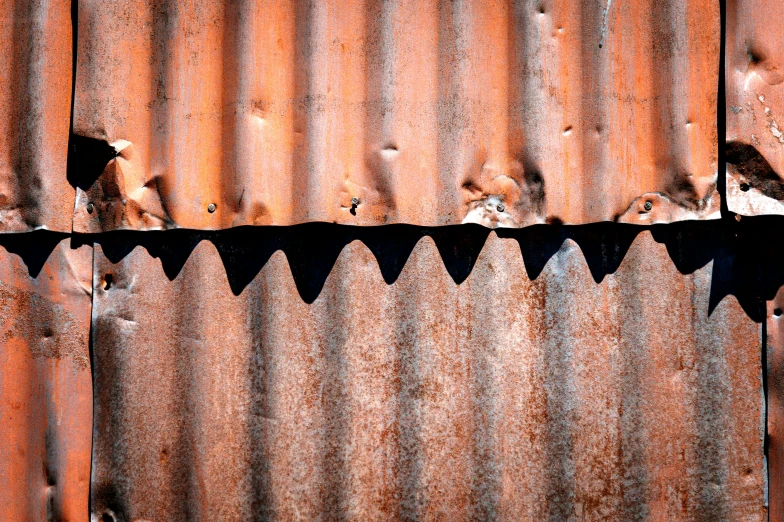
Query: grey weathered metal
{"type": "Point", "coordinates": [510, 396]}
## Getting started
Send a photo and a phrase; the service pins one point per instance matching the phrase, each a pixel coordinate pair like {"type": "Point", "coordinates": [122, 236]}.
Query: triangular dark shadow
{"type": "Point", "coordinates": [312, 250]}
{"type": "Point", "coordinates": [752, 267]}
{"type": "Point", "coordinates": [392, 246]}
{"type": "Point", "coordinates": [33, 247]}
{"type": "Point", "coordinates": [604, 245]}
{"type": "Point", "coordinates": [538, 243]}
{"type": "Point", "coordinates": [244, 252]}
{"type": "Point", "coordinates": [172, 247]}
{"type": "Point", "coordinates": [459, 246]}
{"type": "Point", "coordinates": [690, 244]}
{"type": "Point", "coordinates": [729, 277]}
{"type": "Point", "coordinates": [87, 159]}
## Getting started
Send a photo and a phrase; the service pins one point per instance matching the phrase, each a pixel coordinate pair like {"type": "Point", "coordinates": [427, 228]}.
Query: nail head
{"type": "Point", "coordinates": [355, 201]}
{"type": "Point", "coordinates": [90, 208]}
{"type": "Point", "coordinates": [501, 207]}
{"type": "Point", "coordinates": [211, 208]}
{"type": "Point", "coordinates": [648, 206]}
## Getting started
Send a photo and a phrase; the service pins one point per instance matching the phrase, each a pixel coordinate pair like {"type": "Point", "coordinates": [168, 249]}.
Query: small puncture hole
{"type": "Point", "coordinates": [744, 187]}
{"type": "Point", "coordinates": [108, 280]}
{"type": "Point", "coordinates": [777, 312]}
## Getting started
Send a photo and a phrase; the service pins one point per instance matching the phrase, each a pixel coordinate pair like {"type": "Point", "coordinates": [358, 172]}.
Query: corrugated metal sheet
{"type": "Point", "coordinates": [234, 382]}
{"type": "Point", "coordinates": [322, 371]}
{"type": "Point", "coordinates": [35, 112]}
{"type": "Point", "coordinates": [504, 113]}
{"type": "Point", "coordinates": [755, 107]}
{"type": "Point", "coordinates": [45, 382]}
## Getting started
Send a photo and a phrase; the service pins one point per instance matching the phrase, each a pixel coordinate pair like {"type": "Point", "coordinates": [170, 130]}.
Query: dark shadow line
{"type": "Point", "coordinates": [74, 48]}
{"type": "Point", "coordinates": [75, 243]}
{"type": "Point", "coordinates": [313, 248]}
{"type": "Point", "coordinates": [721, 116]}
{"type": "Point", "coordinates": [747, 256]}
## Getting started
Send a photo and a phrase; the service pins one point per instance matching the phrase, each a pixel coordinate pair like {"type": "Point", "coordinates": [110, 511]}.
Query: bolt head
{"type": "Point", "coordinates": [501, 207]}
{"type": "Point", "coordinates": [90, 208]}
{"type": "Point", "coordinates": [211, 208]}
{"type": "Point", "coordinates": [648, 206]}
{"type": "Point", "coordinates": [355, 201]}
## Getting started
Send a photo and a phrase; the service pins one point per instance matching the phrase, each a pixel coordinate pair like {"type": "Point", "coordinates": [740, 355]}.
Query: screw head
{"type": "Point", "coordinates": [501, 207]}
{"type": "Point", "coordinates": [211, 208]}
{"type": "Point", "coordinates": [355, 201]}
{"type": "Point", "coordinates": [90, 208]}
{"type": "Point", "coordinates": [648, 206]}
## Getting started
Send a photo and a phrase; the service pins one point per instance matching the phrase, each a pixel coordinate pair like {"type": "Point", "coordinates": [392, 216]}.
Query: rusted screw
{"type": "Point", "coordinates": [355, 201]}
{"type": "Point", "coordinates": [648, 206]}
{"type": "Point", "coordinates": [501, 207]}
{"type": "Point", "coordinates": [211, 208]}
{"type": "Point", "coordinates": [90, 208]}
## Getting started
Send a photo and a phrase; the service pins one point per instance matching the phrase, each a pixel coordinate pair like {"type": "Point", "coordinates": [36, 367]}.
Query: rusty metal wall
{"type": "Point", "coordinates": [614, 389]}
{"type": "Point", "coordinates": [45, 381]}
{"type": "Point", "coordinates": [505, 113]}
{"type": "Point", "coordinates": [755, 107]}
{"type": "Point", "coordinates": [35, 111]}
{"type": "Point", "coordinates": [322, 371]}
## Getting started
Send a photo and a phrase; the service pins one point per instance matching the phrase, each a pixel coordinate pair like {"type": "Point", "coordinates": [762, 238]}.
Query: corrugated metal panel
{"type": "Point", "coordinates": [35, 112]}
{"type": "Point", "coordinates": [755, 107]}
{"type": "Point", "coordinates": [505, 113]}
{"type": "Point", "coordinates": [394, 393]}
{"type": "Point", "coordinates": [45, 382]}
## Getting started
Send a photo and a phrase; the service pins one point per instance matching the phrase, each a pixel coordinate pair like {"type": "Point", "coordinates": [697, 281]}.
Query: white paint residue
{"type": "Point", "coordinates": [774, 129]}
{"type": "Point", "coordinates": [772, 125]}
{"type": "Point", "coordinates": [605, 15]}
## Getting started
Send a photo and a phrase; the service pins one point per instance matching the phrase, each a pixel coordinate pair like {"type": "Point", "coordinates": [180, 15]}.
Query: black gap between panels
{"type": "Point", "coordinates": [747, 256]}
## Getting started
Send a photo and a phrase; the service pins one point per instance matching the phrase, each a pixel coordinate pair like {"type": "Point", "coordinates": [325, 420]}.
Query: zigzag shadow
{"type": "Point", "coordinates": [311, 249]}
{"type": "Point", "coordinates": [743, 254]}
{"type": "Point", "coordinates": [34, 248]}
